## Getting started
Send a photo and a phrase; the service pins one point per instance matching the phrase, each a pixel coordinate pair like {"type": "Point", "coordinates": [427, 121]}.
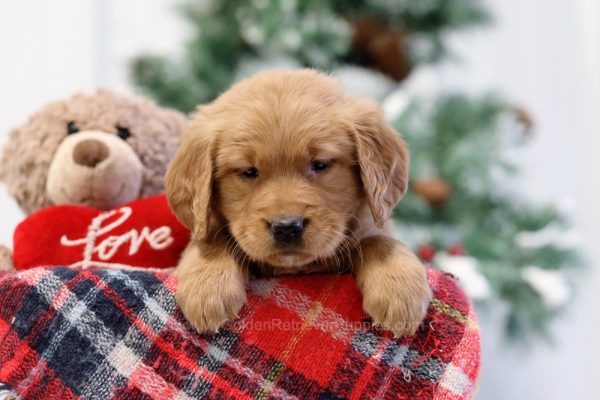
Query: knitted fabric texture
{"type": "Point", "coordinates": [100, 334]}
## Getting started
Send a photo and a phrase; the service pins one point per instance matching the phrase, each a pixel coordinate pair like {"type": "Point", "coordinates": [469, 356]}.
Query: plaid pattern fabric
{"type": "Point", "coordinates": [100, 334]}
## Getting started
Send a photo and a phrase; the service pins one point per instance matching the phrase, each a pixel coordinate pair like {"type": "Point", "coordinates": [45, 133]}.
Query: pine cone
{"type": "Point", "coordinates": [434, 191]}
{"type": "Point", "coordinates": [389, 50]}
{"type": "Point", "coordinates": [365, 30]}
{"type": "Point", "coordinates": [381, 48]}
{"type": "Point", "coordinates": [525, 119]}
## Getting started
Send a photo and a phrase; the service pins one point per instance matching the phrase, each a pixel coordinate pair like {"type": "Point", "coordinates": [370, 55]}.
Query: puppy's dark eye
{"type": "Point", "coordinates": [72, 128]}
{"type": "Point", "coordinates": [319, 166]}
{"type": "Point", "coordinates": [123, 133]}
{"type": "Point", "coordinates": [250, 173]}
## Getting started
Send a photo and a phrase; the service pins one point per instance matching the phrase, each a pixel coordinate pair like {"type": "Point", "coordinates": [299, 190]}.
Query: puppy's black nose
{"type": "Point", "coordinates": [287, 230]}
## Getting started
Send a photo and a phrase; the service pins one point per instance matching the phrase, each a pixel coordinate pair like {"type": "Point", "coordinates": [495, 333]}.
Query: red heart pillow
{"type": "Point", "coordinates": [143, 234]}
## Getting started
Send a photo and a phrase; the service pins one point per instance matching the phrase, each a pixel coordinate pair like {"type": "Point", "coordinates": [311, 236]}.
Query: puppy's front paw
{"type": "Point", "coordinates": [396, 296]}
{"type": "Point", "coordinates": [208, 302]}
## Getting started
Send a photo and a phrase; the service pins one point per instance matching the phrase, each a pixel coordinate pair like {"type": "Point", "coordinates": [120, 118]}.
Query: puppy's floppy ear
{"type": "Point", "coordinates": [188, 181]}
{"type": "Point", "coordinates": [382, 156]}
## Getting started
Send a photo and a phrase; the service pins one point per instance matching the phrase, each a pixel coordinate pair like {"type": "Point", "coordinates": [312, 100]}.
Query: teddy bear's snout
{"type": "Point", "coordinates": [90, 153]}
{"type": "Point", "coordinates": [95, 168]}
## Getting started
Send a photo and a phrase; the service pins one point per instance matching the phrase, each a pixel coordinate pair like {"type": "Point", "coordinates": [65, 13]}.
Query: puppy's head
{"type": "Point", "coordinates": [285, 159]}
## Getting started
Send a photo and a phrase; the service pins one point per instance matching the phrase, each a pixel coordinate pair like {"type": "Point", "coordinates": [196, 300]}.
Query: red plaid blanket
{"type": "Point", "coordinates": [113, 334]}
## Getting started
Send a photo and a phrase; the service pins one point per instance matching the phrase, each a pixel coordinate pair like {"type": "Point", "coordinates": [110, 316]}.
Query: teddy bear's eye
{"type": "Point", "coordinates": [72, 128]}
{"type": "Point", "coordinates": [123, 133]}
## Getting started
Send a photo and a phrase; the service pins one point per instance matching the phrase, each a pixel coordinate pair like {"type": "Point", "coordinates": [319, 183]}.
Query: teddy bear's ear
{"type": "Point", "coordinates": [178, 121]}
{"type": "Point", "coordinates": [157, 133]}
{"type": "Point", "coordinates": [188, 181]}
{"type": "Point", "coordinates": [24, 164]}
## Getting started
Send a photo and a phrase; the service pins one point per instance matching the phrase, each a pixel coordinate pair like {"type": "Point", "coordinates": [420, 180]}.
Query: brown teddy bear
{"type": "Point", "coordinates": [100, 150]}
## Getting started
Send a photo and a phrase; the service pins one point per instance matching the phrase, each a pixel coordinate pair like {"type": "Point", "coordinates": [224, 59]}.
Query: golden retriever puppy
{"type": "Point", "coordinates": [284, 173]}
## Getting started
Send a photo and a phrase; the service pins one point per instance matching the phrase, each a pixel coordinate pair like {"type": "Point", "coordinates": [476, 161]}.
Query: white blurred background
{"type": "Point", "coordinates": [544, 54]}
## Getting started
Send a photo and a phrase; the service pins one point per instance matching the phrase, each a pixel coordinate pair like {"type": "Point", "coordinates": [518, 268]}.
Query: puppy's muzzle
{"type": "Point", "coordinates": [287, 230]}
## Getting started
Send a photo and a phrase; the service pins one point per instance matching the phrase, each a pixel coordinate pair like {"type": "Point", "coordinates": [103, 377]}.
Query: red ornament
{"type": "Point", "coordinates": [456, 250]}
{"type": "Point", "coordinates": [426, 252]}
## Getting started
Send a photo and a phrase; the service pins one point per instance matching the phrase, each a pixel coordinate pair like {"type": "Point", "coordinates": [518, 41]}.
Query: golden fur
{"type": "Point", "coordinates": [281, 124]}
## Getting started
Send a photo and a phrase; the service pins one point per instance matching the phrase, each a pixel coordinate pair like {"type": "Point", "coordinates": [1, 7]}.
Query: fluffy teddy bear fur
{"type": "Point", "coordinates": [31, 148]}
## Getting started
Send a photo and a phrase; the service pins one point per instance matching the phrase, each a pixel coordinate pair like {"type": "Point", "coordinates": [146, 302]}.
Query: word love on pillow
{"type": "Point", "coordinates": [143, 234]}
